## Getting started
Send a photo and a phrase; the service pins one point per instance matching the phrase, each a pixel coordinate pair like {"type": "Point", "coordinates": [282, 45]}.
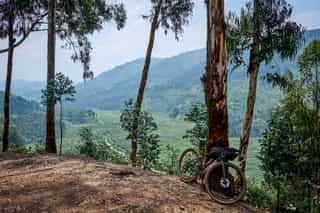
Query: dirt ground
{"type": "Point", "coordinates": [33, 183]}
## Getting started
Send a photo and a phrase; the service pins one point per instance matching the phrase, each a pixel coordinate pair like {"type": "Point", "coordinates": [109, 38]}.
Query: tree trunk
{"type": "Point", "coordinates": [6, 109]}
{"type": "Point", "coordinates": [317, 95]}
{"type": "Point", "coordinates": [50, 123]}
{"type": "Point", "coordinates": [143, 82]}
{"type": "Point", "coordinates": [253, 71]}
{"type": "Point", "coordinates": [216, 76]}
{"type": "Point", "coordinates": [61, 135]}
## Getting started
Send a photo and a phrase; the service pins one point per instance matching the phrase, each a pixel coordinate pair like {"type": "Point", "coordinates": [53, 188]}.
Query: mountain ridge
{"type": "Point", "coordinates": [174, 85]}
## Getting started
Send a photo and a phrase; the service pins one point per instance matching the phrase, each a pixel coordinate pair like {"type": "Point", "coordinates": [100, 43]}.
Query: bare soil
{"type": "Point", "coordinates": [49, 183]}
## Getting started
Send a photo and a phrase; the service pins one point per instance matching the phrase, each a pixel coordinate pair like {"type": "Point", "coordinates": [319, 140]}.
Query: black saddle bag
{"type": "Point", "coordinates": [227, 154]}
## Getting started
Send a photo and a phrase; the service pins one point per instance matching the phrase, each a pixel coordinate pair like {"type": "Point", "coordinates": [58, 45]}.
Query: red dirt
{"type": "Point", "coordinates": [34, 183]}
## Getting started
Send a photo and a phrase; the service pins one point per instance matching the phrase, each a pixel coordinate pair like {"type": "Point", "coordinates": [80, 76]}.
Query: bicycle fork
{"type": "Point", "coordinates": [224, 181]}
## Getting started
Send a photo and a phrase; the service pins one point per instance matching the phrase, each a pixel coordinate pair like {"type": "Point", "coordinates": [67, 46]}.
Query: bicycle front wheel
{"type": "Point", "coordinates": [225, 190]}
{"type": "Point", "coordinates": [189, 165]}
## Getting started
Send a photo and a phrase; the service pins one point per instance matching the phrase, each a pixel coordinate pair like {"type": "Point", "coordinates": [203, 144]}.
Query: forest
{"type": "Point", "coordinates": [232, 126]}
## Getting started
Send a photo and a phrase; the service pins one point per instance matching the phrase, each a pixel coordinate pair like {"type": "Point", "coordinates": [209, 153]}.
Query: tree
{"type": "Point", "coordinates": [75, 21]}
{"type": "Point", "coordinates": [87, 139]}
{"type": "Point", "coordinates": [51, 45]}
{"type": "Point", "coordinates": [198, 135]}
{"type": "Point", "coordinates": [25, 16]}
{"type": "Point", "coordinates": [264, 29]}
{"type": "Point", "coordinates": [92, 15]}
{"type": "Point", "coordinates": [290, 151]}
{"type": "Point", "coordinates": [170, 15]}
{"type": "Point", "coordinates": [149, 148]}
{"type": "Point", "coordinates": [309, 63]}
{"type": "Point", "coordinates": [61, 90]}
{"type": "Point", "coordinates": [215, 78]}
{"type": "Point", "coordinates": [17, 17]}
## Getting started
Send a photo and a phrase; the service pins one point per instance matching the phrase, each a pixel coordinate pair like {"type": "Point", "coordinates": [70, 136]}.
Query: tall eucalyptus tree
{"type": "Point", "coordinates": [171, 15]}
{"type": "Point", "coordinates": [16, 18]}
{"type": "Point", "coordinates": [72, 21]}
{"type": "Point", "coordinates": [215, 78]}
{"type": "Point", "coordinates": [263, 29]}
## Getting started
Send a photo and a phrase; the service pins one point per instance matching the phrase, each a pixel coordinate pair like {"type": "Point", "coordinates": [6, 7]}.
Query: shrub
{"type": "Point", "coordinates": [259, 194]}
{"type": "Point", "coordinates": [169, 160]}
{"type": "Point", "coordinates": [17, 148]}
{"type": "Point", "coordinates": [148, 141]}
{"type": "Point", "coordinates": [100, 148]}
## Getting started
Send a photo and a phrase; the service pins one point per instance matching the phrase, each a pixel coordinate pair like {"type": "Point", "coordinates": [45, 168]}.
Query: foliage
{"type": "Point", "coordinates": [98, 148]}
{"type": "Point", "coordinates": [173, 15]}
{"type": "Point", "coordinates": [280, 80]}
{"type": "Point", "coordinates": [259, 194]}
{"type": "Point", "coordinates": [31, 126]}
{"type": "Point", "coordinates": [20, 106]}
{"type": "Point", "coordinates": [39, 147]}
{"type": "Point", "coordinates": [148, 141]}
{"type": "Point", "coordinates": [58, 90]}
{"type": "Point", "coordinates": [75, 20]}
{"type": "Point", "coordinates": [19, 148]}
{"type": "Point", "coordinates": [15, 136]}
{"type": "Point", "coordinates": [309, 63]}
{"type": "Point", "coordinates": [78, 19]}
{"type": "Point", "coordinates": [290, 151]}
{"type": "Point", "coordinates": [87, 140]}
{"type": "Point", "coordinates": [199, 133]}
{"type": "Point", "coordinates": [26, 16]}
{"type": "Point", "coordinates": [264, 27]}
{"type": "Point", "coordinates": [169, 159]}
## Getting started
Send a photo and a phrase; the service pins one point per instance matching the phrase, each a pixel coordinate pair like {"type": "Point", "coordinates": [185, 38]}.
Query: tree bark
{"type": "Point", "coordinates": [61, 135]}
{"type": "Point", "coordinates": [317, 95]}
{"type": "Point", "coordinates": [143, 82]}
{"type": "Point", "coordinates": [50, 119]}
{"type": "Point", "coordinates": [253, 71]}
{"type": "Point", "coordinates": [216, 76]}
{"type": "Point", "coordinates": [6, 109]}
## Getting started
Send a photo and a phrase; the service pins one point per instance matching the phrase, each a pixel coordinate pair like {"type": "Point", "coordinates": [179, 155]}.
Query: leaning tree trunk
{"type": "Point", "coordinates": [50, 122]}
{"type": "Point", "coordinates": [216, 76]}
{"type": "Point", "coordinates": [253, 71]}
{"type": "Point", "coordinates": [6, 109]}
{"type": "Point", "coordinates": [143, 82]}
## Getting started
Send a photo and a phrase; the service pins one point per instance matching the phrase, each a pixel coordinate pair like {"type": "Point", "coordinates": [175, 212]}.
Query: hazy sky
{"type": "Point", "coordinates": [112, 47]}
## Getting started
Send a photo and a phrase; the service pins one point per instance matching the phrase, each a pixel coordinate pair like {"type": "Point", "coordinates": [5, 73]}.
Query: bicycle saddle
{"type": "Point", "coordinates": [223, 152]}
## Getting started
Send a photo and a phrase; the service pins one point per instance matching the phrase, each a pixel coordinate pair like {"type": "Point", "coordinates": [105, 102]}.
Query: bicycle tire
{"type": "Point", "coordinates": [183, 155]}
{"type": "Point", "coordinates": [214, 195]}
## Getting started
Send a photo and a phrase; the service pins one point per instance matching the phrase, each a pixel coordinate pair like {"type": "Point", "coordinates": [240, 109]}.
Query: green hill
{"type": "Point", "coordinates": [174, 84]}
{"type": "Point", "coordinates": [19, 105]}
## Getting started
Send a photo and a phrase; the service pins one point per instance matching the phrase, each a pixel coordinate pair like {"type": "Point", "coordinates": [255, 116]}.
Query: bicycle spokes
{"type": "Point", "coordinates": [225, 183]}
{"type": "Point", "coordinates": [189, 165]}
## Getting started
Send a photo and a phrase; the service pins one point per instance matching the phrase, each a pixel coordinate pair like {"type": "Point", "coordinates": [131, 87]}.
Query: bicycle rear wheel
{"type": "Point", "coordinates": [227, 190]}
{"type": "Point", "coordinates": [189, 165]}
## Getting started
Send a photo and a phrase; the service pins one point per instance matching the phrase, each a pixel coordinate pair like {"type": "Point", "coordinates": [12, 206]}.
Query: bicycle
{"type": "Point", "coordinates": [223, 180]}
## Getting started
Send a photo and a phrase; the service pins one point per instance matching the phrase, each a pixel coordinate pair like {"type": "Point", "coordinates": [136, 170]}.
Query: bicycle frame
{"type": "Point", "coordinates": [205, 165]}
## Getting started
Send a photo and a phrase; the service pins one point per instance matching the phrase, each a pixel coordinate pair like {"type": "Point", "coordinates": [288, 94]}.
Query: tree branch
{"type": "Point", "coordinates": [26, 34]}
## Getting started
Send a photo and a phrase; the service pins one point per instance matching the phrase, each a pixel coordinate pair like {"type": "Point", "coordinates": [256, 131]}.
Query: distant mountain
{"type": "Point", "coordinates": [20, 106]}
{"type": "Point", "coordinates": [30, 90]}
{"type": "Point", "coordinates": [173, 85]}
